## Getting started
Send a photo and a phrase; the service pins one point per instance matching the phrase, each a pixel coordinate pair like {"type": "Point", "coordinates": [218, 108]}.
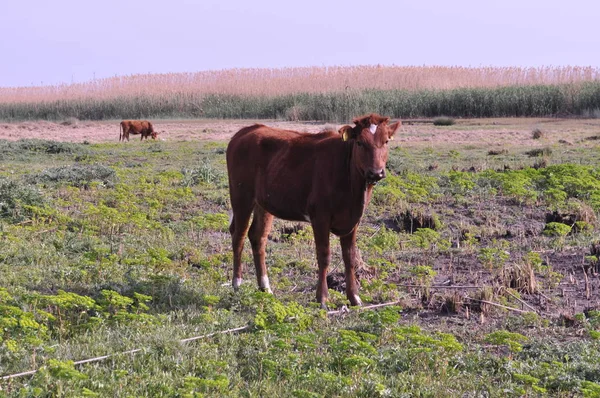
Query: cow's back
{"type": "Point", "coordinates": [129, 126]}
{"type": "Point", "coordinates": [146, 127]}
{"type": "Point", "coordinates": [278, 168]}
{"type": "Point", "coordinates": [137, 126]}
{"type": "Point", "coordinates": [253, 150]}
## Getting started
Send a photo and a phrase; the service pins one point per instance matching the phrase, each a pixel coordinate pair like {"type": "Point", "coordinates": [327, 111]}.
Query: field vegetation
{"type": "Point", "coordinates": [316, 93]}
{"type": "Point", "coordinates": [490, 264]}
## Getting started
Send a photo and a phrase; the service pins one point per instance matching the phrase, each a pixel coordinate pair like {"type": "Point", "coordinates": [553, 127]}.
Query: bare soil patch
{"type": "Point", "coordinates": [505, 133]}
{"type": "Point", "coordinates": [170, 130]}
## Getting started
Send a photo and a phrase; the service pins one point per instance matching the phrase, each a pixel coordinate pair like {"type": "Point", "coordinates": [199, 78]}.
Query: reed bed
{"type": "Point", "coordinates": [323, 93]}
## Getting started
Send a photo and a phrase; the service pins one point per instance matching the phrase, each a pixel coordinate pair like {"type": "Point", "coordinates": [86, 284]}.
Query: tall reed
{"type": "Point", "coordinates": [324, 93]}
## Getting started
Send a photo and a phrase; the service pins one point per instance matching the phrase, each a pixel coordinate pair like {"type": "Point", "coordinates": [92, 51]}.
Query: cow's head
{"type": "Point", "coordinates": [154, 134]}
{"type": "Point", "coordinates": [370, 137]}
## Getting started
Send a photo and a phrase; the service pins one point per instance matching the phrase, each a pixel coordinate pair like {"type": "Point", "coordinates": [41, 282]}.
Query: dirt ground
{"type": "Point", "coordinates": [479, 132]}
{"type": "Point", "coordinates": [108, 131]}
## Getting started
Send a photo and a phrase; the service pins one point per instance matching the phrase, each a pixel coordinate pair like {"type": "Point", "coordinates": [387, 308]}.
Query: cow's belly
{"type": "Point", "coordinates": [283, 211]}
{"type": "Point", "coordinates": [282, 197]}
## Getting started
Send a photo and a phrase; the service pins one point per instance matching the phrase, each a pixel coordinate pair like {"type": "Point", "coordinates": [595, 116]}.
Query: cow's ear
{"type": "Point", "coordinates": [363, 121]}
{"type": "Point", "coordinates": [392, 128]}
{"type": "Point", "coordinates": [346, 132]}
{"type": "Point", "coordinates": [368, 120]}
{"type": "Point", "coordinates": [376, 119]}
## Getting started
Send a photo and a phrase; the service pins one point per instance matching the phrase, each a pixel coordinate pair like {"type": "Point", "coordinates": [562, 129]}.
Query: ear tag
{"type": "Point", "coordinates": [345, 136]}
{"type": "Point", "coordinates": [373, 129]}
{"type": "Point", "coordinates": [392, 137]}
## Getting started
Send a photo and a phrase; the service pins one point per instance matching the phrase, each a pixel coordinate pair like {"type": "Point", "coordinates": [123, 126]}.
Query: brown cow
{"type": "Point", "coordinates": [134, 127]}
{"type": "Point", "coordinates": [325, 179]}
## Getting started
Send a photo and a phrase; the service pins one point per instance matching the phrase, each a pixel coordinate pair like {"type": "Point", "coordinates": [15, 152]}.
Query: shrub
{"type": "Point", "coordinates": [458, 182]}
{"type": "Point", "coordinates": [537, 134]}
{"type": "Point", "coordinates": [412, 187]}
{"type": "Point", "coordinates": [540, 164]}
{"type": "Point", "coordinates": [493, 257]}
{"type": "Point", "coordinates": [15, 197]}
{"type": "Point", "coordinates": [203, 173]}
{"type": "Point", "coordinates": [443, 121]}
{"type": "Point", "coordinates": [582, 226]}
{"type": "Point", "coordinates": [40, 146]}
{"type": "Point", "coordinates": [413, 219]}
{"type": "Point", "coordinates": [77, 175]}
{"type": "Point", "coordinates": [384, 240]}
{"type": "Point", "coordinates": [511, 340]}
{"type": "Point", "coordinates": [495, 152]}
{"type": "Point", "coordinates": [519, 185]}
{"type": "Point", "coordinates": [443, 343]}
{"type": "Point", "coordinates": [556, 229]}
{"type": "Point", "coordinates": [423, 274]}
{"type": "Point", "coordinates": [428, 239]}
{"type": "Point", "coordinates": [70, 121]}
{"type": "Point", "coordinates": [537, 152]}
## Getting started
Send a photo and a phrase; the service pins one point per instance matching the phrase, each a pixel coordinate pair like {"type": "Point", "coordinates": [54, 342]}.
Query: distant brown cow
{"type": "Point", "coordinates": [134, 127]}
{"type": "Point", "coordinates": [325, 179]}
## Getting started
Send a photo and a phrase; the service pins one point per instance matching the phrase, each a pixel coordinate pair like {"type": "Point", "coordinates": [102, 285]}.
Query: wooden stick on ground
{"type": "Point", "coordinates": [500, 306]}
{"type": "Point", "coordinates": [442, 287]}
{"type": "Point", "coordinates": [521, 301]}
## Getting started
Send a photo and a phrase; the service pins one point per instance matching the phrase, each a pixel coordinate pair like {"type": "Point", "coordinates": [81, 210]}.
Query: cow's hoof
{"type": "Point", "coordinates": [355, 300]}
{"type": "Point", "coordinates": [264, 285]}
{"type": "Point", "coordinates": [236, 283]}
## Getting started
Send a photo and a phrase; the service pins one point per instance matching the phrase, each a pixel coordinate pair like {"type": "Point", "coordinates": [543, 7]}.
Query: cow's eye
{"type": "Point", "coordinates": [359, 143]}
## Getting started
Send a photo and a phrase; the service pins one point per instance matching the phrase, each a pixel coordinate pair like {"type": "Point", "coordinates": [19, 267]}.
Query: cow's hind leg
{"type": "Point", "coordinates": [258, 234]}
{"type": "Point", "coordinates": [238, 228]}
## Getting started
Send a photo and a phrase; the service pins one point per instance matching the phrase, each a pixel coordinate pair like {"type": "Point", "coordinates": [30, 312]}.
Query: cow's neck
{"type": "Point", "coordinates": [360, 191]}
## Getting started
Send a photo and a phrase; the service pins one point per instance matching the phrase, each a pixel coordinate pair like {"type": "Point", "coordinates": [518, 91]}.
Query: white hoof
{"type": "Point", "coordinates": [236, 283]}
{"type": "Point", "coordinates": [264, 285]}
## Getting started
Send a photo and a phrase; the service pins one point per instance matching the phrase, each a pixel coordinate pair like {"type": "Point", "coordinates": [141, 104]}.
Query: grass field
{"type": "Point", "coordinates": [485, 238]}
{"type": "Point", "coordinates": [316, 93]}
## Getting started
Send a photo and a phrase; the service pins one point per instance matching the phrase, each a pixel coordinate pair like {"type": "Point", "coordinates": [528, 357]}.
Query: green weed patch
{"type": "Point", "coordinates": [130, 248]}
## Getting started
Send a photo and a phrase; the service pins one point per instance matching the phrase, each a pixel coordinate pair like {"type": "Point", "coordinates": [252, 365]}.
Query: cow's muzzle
{"type": "Point", "coordinates": [373, 176]}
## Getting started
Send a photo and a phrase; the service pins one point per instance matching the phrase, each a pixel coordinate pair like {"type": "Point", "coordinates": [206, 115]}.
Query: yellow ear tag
{"type": "Point", "coordinates": [345, 136]}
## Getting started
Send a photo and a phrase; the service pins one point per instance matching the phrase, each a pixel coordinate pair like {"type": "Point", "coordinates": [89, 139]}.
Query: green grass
{"type": "Point", "coordinates": [105, 248]}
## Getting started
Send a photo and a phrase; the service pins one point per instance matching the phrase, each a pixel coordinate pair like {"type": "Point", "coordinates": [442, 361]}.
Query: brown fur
{"type": "Point", "coordinates": [134, 127]}
{"type": "Point", "coordinates": [320, 178]}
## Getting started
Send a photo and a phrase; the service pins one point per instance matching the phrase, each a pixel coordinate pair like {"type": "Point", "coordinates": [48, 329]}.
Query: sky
{"type": "Point", "coordinates": [63, 41]}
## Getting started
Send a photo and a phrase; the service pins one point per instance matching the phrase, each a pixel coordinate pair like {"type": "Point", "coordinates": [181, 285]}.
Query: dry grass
{"type": "Point", "coordinates": [274, 82]}
{"type": "Point", "coordinates": [520, 277]}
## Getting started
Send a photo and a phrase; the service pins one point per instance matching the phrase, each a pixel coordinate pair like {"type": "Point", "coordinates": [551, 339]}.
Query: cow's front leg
{"type": "Point", "coordinates": [258, 234]}
{"type": "Point", "coordinates": [350, 256]}
{"type": "Point", "coordinates": [321, 233]}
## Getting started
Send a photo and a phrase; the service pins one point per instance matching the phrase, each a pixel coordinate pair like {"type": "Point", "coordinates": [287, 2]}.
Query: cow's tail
{"type": "Point", "coordinates": [120, 128]}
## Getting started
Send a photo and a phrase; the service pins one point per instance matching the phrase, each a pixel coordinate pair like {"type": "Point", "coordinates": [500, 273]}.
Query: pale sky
{"type": "Point", "coordinates": [64, 41]}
